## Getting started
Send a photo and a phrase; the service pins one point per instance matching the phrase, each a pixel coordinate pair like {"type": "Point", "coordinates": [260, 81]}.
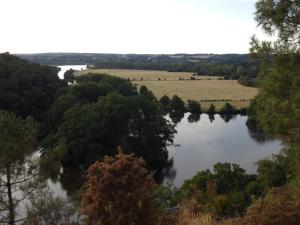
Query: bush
{"type": "Point", "coordinates": [119, 191]}
{"type": "Point", "coordinates": [167, 196]}
{"type": "Point", "coordinates": [194, 106]}
{"type": "Point", "coordinates": [280, 207]}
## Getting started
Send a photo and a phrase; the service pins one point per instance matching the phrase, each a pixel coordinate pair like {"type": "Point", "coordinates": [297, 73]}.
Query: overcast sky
{"type": "Point", "coordinates": [127, 26]}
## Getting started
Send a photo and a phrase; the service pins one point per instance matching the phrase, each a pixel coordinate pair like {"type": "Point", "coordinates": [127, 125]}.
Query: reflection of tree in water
{"type": "Point", "coordinates": [194, 117]}
{"type": "Point", "coordinates": [176, 116]}
{"type": "Point", "coordinates": [256, 132]}
{"type": "Point", "coordinates": [72, 177]}
{"type": "Point", "coordinates": [227, 117]}
{"type": "Point", "coordinates": [168, 172]}
{"type": "Point", "coordinates": [211, 117]}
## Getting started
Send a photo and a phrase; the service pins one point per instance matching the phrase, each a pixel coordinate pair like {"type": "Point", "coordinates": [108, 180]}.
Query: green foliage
{"type": "Point", "coordinates": [255, 189]}
{"type": "Point", "coordinates": [177, 104]}
{"type": "Point", "coordinates": [27, 89]}
{"type": "Point", "coordinates": [122, 86]}
{"type": "Point", "coordinates": [148, 94]}
{"type": "Point", "coordinates": [228, 109]}
{"type": "Point", "coordinates": [280, 168]}
{"type": "Point", "coordinates": [93, 118]}
{"type": "Point", "coordinates": [69, 76]}
{"type": "Point", "coordinates": [277, 105]}
{"type": "Point", "coordinates": [167, 196]}
{"type": "Point", "coordinates": [221, 192]}
{"type": "Point", "coordinates": [228, 178]}
{"type": "Point", "coordinates": [88, 89]}
{"type": "Point", "coordinates": [281, 16]}
{"type": "Point", "coordinates": [165, 101]}
{"type": "Point", "coordinates": [18, 138]}
{"type": "Point", "coordinates": [18, 171]}
{"type": "Point", "coordinates": [92, 129]}
{"type": "Point", "coordinates": [229, 205]}
{"type": "Point", "coordinates": [194, 106]}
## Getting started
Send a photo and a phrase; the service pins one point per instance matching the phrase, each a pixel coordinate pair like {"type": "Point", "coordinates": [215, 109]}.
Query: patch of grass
{"type": "Point", "coordinates": [205, 91]}
{"type": "Point", "coordinates": [219, 104]}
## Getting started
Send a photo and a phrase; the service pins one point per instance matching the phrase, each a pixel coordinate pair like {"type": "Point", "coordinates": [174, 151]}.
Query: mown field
{"type": "Point", "coordinates": [153, 75]}
{"type": "Point", "coordinates": [205, 89]}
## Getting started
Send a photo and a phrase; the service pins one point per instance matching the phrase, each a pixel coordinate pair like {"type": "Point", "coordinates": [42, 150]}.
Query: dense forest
{"type": "Point", "coordinates": [231, 66]}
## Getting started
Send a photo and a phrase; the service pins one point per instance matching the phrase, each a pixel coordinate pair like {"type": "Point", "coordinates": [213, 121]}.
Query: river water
{"type": "Point", "coordinates": [63, 69]}
{"type": "Point", "coordinates": [200, 144]}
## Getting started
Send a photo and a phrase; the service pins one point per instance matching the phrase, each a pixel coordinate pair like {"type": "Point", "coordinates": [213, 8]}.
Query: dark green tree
{"type": "Point", "coordinates": [147, 93]}
{"type": "Point", "coordinates": [165, 101]}
{"type": "Point", "coordinates": [27, 89]}
{"type": "Point", "coordinates": [194, 106]}
{"type": "Point", "coordinates": [95, 129]}
{"type": "Point", "coordinates": [228, 109]}
{"type": "Point", "coordinates": [280, 16]}
{"type": "Point", "coordinates": [277, 105]}
{"type": "Point", "coordinates": [211, 110]}
{"type": "Point", "coordinates": [177, 104]}
{"type": "Point", "coordinates": [69, 76]}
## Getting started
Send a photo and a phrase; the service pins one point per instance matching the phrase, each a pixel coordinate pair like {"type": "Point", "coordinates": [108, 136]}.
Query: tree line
{"type": "Point", "coordinates": [230, 66]}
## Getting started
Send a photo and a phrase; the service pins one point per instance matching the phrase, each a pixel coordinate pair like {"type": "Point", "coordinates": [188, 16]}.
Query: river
{"type": "Point", "coordinates": [198, 145]}
{"type": "Point", "coordinates": [63, 69]}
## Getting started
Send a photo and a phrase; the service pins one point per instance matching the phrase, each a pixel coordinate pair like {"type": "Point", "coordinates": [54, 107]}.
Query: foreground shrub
{"type": "Point", "coordinates": [187, 217]}
{"type": "Point", "coordinates": [280, 207]}
{"type": "Point", "coordinates": [119, 191]}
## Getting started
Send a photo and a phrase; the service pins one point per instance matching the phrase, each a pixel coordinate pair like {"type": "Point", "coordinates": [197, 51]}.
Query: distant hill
{"type": "Point", "coordinates": [94, 58]}
{"type": "Point", "coordinates": [231, 66]}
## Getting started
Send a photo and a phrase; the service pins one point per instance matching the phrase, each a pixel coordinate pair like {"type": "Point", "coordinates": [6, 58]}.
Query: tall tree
{"type": "Point", "coordinates": [17, 169]}
{"type": "Point", "coordinates": [277, 105]}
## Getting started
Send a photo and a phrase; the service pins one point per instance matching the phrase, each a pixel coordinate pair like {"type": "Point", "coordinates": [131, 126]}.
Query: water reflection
{"type": "Point", "coordinates": [211, 117]}
{"type": "Point", "coordinates": [199, 145]}
{"type": "Point", "coordinates": [256, 132]}
{"type": "Point", "coordinates": [168, 172]}
{"type": "Point", "coordinates": [200, 142]}
{"type": "Point", "coordinates": [227, 117]}
{"type": "Point", "coordinates": [176, 116]}
{"type": "Point", "coordinates": [194, 117]}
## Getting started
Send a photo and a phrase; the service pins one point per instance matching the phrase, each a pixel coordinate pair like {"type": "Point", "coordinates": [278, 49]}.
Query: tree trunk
{"type": "Point", "coordinates": [10, 198]}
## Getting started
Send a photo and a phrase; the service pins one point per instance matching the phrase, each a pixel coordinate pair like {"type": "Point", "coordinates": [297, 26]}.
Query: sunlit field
{"type": "Point", "coordinates": [153, 75]}
{"type": "Point", "coordinates": [205, 89]}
